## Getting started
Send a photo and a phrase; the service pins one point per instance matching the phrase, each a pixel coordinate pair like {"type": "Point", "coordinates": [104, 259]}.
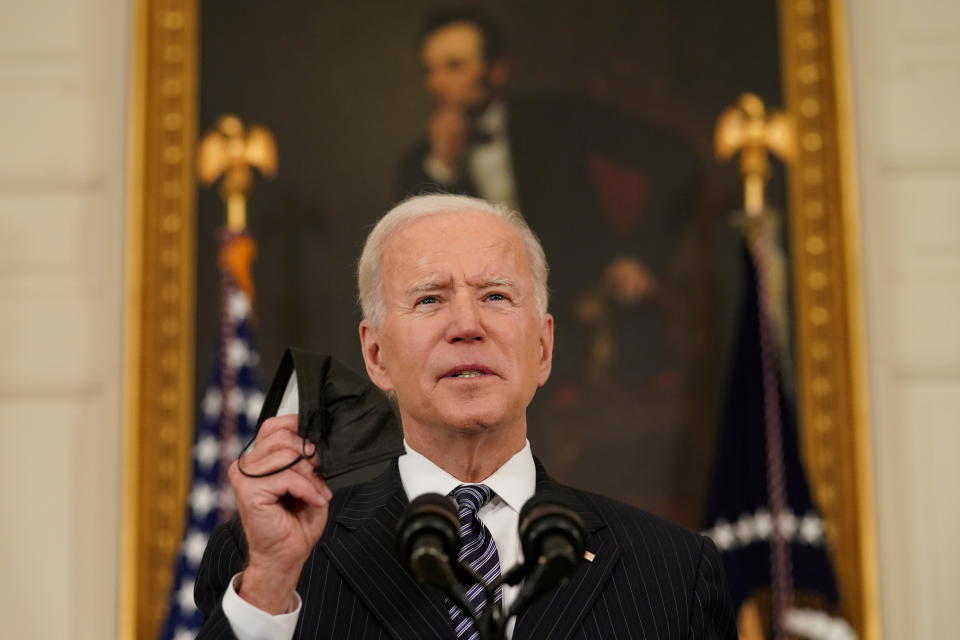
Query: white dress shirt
{"type": "Point", "coordinates": [488, 163]}
{"type": "Point", "coordinates": [513, 483]}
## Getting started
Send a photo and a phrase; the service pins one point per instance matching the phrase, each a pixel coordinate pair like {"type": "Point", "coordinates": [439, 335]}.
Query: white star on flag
{"type": "Point", "coordinates": [193, 547]}
{"type": "Point", "coordinates": [763, 524]}
{"type": "Point", "coordinates": [745, 529]}
{"type": "Point", "coordinates": [237, 353]}
{"type": "Point", "coordinates": [185, 596]}
{"type": "Point", "coordinates": [238, 306]}
{"type": "Point", "coordinates": [212, 403]}
{"type": "Point", "coordinates": [203, 498]}
{"type": "Point", "coordinates": [811, 528]}
{"type": "Point", "coordinates": [723, 535]}
{"type": "Point", "coordinates": [788, 524]}
{"type": "Point", "coordinates": [236, 400]}
{"type": "Point", "coordinates": [207, 451]}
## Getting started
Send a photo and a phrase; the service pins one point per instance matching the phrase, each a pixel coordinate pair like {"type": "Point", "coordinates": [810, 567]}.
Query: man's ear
{"type": "Point", "coordinates": [546, 349]}
{"type": "Point", "coordinates": [373, 356]}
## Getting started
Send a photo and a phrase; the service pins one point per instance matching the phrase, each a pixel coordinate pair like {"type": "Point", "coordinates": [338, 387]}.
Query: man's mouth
{"type": "Point", "coordinates": [470, 371]}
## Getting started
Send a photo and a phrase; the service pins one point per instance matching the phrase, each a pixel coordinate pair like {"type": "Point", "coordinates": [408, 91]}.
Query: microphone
{"type": "Point", "coordinates": [553, 539]}
{"type": "Point", "coordinates": [428, 545]}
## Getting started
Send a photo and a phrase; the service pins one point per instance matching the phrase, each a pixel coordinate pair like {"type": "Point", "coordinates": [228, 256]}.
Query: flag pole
{"type": "Point", "coordinates": [748, 129]}
{"type": "Point", "coordinates": [760, 512]}
{"type": "Point", "coordinates": [229, 152]}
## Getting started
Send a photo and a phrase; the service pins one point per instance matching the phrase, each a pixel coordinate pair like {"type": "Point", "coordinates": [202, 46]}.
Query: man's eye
{"type": "Point", "coordinates": [427, 300]}
{"type": "Point", "coordinates": [496, 297]}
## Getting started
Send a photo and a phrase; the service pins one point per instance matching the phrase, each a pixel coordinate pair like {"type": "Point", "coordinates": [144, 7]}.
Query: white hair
{"type": "Point", "coordinates": [370, 278]}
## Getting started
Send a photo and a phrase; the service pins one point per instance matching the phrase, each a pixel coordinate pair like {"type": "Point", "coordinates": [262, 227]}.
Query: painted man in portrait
{"type": "Point", "coordinates": [612, 198]}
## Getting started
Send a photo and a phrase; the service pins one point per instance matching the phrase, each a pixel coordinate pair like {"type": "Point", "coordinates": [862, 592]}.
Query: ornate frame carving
{"type": "Point", "coordinates": [825, 257]}
{"type": "Point", "coordinates": [160, 394]}
{"type": "Point", "coordinates": [160, 334]}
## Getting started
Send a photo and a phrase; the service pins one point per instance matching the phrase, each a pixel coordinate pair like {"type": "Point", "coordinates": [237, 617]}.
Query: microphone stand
{"type": "Point", "coordinates": [492, 623]}
{"type": "Point", "coordinates": [550, 533]}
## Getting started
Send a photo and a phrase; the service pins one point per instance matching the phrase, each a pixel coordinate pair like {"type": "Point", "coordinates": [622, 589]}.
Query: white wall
{"type": "Point", "coordinates": [906, 81]}
{"type": "Point", "coordinates": [62, 127]}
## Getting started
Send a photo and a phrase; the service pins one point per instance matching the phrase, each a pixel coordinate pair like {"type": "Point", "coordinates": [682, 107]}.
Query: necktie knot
{"type": "Point", "coordinates": [471, 497]}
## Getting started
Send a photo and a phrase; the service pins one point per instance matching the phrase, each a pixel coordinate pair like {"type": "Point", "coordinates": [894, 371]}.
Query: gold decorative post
{"type": "Point", "coordinates": [747, 128]}
{"type": "Point", "coordinates": [231, 150]}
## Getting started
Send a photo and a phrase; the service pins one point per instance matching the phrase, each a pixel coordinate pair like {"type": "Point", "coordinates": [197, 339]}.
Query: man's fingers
{"type": "Point", "coordinates": [304, 468]}
{"type": "Point", "coordinates": [300, 488]}
{"type": "Point", "coordinates": [269, 463]}
{"type": "Point", "coordinates": [273, 462]}
{"type": "Point", "coordinates": [279, 433]}
{"type": "Point", "coordinates": [322, 485]}
{"type": "Point", "coordinates": [286, 422]}
{"type": "Point", "coordinates": [278, 440]}
{"type": "Point", "coordinates": [271, 489]}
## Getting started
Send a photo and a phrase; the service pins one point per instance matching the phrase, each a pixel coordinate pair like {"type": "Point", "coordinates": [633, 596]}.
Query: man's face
{"type": "Point", "coordinates": [455, 71]}
{"type": "Point", "coordinates": [462, 343]}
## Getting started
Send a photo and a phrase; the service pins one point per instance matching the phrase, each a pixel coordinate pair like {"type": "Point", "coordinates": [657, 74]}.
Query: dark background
{"type": "Point", "coordinates": [339, 85]}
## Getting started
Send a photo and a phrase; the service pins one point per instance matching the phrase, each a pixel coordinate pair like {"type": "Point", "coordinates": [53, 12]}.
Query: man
{"type": "Point", "coordinates": [535, 152]}
{"type": "Point", "coordinates": [465, 74]}
{"type": "Point", "coordinates": [455, 325]}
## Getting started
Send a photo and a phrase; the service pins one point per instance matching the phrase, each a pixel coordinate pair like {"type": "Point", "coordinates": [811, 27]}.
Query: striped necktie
{"type": "Point", "coordinates": [479, 551]}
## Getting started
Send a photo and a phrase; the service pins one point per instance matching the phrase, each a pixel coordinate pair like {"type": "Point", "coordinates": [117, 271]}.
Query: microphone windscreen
{"type": "Point", "coordinates": [537, 500]}
{"type": "Point", "coordinates": [429, 514]}
{"type": "Point", "coordinates": [542, 516]}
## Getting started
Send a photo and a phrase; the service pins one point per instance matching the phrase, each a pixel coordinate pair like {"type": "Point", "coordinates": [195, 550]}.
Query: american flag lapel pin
{"type": "Point", "coordinates": [589, 556]}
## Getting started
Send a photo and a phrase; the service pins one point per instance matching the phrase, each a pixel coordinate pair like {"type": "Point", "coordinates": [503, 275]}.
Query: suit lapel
{"type": "Point", "coordinates": [558, 613]}
{"type": "Point", "coordinates": [362, 550]}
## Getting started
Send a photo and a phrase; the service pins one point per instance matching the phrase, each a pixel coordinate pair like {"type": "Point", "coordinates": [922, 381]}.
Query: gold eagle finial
{"type": "Point", "coordinates": [231, 150]}
{"type": "Point", "coordinates": [747, 128]}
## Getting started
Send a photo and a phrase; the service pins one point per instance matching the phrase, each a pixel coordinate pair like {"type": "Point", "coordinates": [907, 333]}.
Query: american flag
{"type": "Point", "coordinates": [228, 415]}
{"type": "Point", "coordinates": [760, 512]}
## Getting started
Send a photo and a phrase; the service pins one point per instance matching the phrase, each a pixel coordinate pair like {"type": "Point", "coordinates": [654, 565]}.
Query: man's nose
{"type": "Point", "coordinates": [465, 323]}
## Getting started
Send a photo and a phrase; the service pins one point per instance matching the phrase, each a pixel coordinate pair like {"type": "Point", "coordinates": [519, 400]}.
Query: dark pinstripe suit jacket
{"type": "Point", "coordinates": [650, 578]}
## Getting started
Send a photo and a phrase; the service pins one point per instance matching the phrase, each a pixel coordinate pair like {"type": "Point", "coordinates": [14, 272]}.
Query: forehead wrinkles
{"type": "Point", "coordinates": [442, 252]}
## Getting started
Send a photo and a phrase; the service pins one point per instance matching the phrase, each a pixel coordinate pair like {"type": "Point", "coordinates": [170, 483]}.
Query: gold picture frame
{"type": "Point", "coordinates": [159, 397]}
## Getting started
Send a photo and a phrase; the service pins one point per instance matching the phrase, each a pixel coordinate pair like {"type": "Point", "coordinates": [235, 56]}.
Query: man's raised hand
{"type": "Point", "coordinates": [283, 514]}
{"type": "Point", "coordinates": [448, 131]}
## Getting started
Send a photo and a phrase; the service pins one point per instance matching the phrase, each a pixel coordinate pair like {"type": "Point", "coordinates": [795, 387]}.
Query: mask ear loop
{"type": "Point", "coordinates": [324, 429]}
{"type": "Point", "coordinates": [303, 456]}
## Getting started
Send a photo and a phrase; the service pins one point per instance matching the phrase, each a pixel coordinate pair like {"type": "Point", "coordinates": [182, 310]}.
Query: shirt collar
{"type": "Point", "coordinates": [493, 120]}
{"type": "Point", "coordinates": [515, 482]}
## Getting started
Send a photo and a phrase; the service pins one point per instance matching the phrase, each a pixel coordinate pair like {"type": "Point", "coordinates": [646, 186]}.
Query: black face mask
{"type": "Point", "coordinates": [350, 422]}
